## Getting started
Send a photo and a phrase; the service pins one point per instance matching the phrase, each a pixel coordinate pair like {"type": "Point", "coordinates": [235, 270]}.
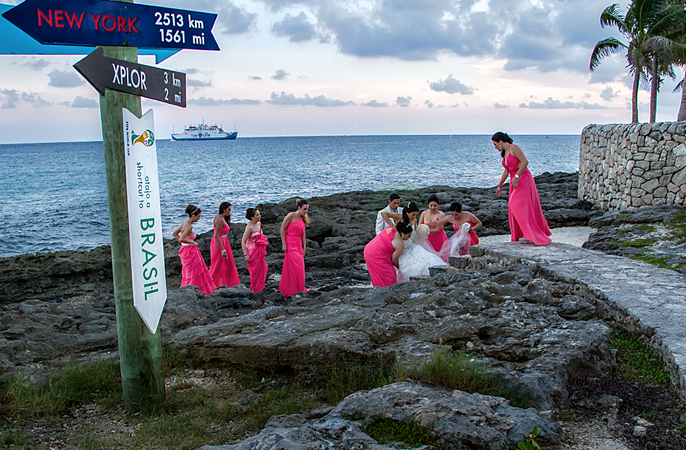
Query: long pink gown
{"type": "Point", "coordinates": [223, 270]}
{"type": "Point", "coordinates": [378, 256]}
{"type": "Point", "coordinates": [437, 240]}
{"type": "Point", "coordinates": [193, 269]}
{"type": "Point", "coordinates": [293, 273]}
{"type": "Point", "coordinates": [524, 208]}
{"type": "Point", "coordinates": [256, 248]}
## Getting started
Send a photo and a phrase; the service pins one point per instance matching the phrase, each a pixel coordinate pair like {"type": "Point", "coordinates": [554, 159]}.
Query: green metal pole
{"type": "Point", "coordinates": [140, 352]}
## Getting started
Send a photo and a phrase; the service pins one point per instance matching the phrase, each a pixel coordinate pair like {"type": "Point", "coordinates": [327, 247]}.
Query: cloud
{"type": "Point", "coordinates": [550, 103]}
{"type": "Point", "coordinates": [235, 20]}
{"type": "Point", "coordinates": [198, 83]}
{"type": "Point", "coordinates": [10, 98]}
{"type": "Point", "coordinates": [428, 104]}
{"type": "Point", "coordinates": [499, 106]}
{"type": "Point", "coordinates": [191, 71]}
{"type": "Point", "coordinates": [209, 101]}
{"type": "Point", "coordinates": [82, 102]}
{"type": "Point", "coordinates": [451, 86]}
{"type": "Point", "coordinates": [545, 35]}
{"type": "Point", "coordinates": [64, 79]}
{"type": "Point", "coordinates": [280, 75]}
{"type": "Point", "coordinates": [608, 94]}
{"type": "Point", "coordinates": [36, 64]}
{"type": "Point", "coordinates": [297, 28]}
{"type": "Point", "coordinates": [284, 99]}
{"type": "Point", "coordinates": [254, 78]}
{"type": "Point", "coordinates": [375, 104]}
{"type": "Point", "coordinates": [403, 102]}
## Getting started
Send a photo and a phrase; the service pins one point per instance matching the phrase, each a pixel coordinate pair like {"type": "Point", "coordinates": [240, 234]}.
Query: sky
{"type": "Point", "coordinates": [360, 67]}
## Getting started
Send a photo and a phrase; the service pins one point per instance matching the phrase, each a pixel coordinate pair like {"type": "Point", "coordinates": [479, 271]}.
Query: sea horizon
{"type": "Point", "coordinates": [240, 137]}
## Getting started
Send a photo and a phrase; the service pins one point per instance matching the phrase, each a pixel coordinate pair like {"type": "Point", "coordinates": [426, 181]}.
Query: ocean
{"type": "Point", "coordinates": [53, 196]}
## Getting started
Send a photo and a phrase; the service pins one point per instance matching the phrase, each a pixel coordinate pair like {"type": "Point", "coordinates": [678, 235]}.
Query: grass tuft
{"type": "Point", "coordinates": [341, 381]}
{"type": "Point", "coordinates": [455, 371]}
{"type": "Point", "coordinates": [94, 381]}
{"type": "Point", "coordinates": [637, 362]}
{"type": "Point", "coordinates": [386, 431]}
{"type": "Point", "coordinates": [639, 243]}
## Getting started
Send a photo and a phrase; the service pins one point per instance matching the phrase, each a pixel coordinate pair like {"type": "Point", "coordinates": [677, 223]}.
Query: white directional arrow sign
{"type": "Point", "coordinates": [145, 222]}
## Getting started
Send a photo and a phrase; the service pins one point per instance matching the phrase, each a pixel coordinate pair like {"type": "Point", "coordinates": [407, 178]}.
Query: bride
{"type": "Point", "coordinates": [418, 255]}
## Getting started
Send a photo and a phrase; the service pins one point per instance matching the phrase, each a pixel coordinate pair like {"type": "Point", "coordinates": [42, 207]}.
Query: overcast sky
{"type": "Point", "coordinates": [332, 67]}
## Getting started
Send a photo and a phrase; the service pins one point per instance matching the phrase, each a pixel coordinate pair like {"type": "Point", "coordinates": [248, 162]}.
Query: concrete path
{"type": "Point", "coordinates": [641, 296]}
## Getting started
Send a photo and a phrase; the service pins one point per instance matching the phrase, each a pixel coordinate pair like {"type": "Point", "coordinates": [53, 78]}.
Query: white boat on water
{"type": "Point", "coordinates": [204, 132]}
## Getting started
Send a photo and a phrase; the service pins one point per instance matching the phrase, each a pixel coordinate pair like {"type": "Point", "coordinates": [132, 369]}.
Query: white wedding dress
{"type": "Point", "coordinates": [417, 257]}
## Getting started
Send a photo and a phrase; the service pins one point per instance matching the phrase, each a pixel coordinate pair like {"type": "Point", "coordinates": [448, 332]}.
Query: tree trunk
{"type": "Point", "coordinates": [654, 86]}
{"type": "Point", "coordinates": [634, 97]}
{"type": "Point", "coordinates": [682, 108]}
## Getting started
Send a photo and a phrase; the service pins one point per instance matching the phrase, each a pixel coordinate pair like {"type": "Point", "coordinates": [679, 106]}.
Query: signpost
{"type": "Point", "coordinates": [146, 81]}
{"type": "Point", "coordinates": [113, 23]}
{"type": "Point", "coordinates": [135, 226]}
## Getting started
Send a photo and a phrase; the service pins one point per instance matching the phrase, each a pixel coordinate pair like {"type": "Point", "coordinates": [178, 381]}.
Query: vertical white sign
{"type": "Point", "coordinates": [145, 223]}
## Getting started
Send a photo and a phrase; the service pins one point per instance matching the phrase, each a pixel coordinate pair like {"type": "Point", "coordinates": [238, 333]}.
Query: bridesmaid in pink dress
{"type": "Point", "coordinates": [382, 253]}
{"type": "Point", "coordinates": [437, 236]}
{"type": "Point", "coordinates": [459, 217]}
{"type": "Point", "coordinates": [293, 244]}
{"type": "Point", "coordinates": [222, 267]}
{"type": "Point", "coordinates": [193, 269]}
{"type": "Point", "coordinates": [254, 245]}
{"type": "Point", "coordinates": [525, 212]}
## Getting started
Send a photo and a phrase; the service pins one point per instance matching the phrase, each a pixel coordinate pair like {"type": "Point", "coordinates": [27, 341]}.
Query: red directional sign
{"type": "Point", "coordinates": [111, 23]}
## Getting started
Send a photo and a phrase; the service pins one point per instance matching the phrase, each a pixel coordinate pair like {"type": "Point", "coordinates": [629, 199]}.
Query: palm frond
{"type": "Point", "coordinates": [604, 48]}
{"type": "Point", "coordinates": [611, 16]}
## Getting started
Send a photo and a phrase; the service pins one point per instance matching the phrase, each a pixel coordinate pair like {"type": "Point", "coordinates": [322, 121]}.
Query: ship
{"type": "Point", "coordinates": [204, 132]}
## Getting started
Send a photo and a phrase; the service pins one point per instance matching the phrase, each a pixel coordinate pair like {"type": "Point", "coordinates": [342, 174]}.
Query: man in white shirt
{"type": "Point", "coordinates": [393, 206]}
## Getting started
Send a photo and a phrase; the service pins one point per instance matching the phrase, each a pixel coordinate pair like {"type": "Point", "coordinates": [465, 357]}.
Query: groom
{"type": "Point", "coordinates": [393, 206]}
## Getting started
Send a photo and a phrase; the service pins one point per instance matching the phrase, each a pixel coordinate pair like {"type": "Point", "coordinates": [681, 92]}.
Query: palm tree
{"type": "Point", "coordinates": [650, 27]}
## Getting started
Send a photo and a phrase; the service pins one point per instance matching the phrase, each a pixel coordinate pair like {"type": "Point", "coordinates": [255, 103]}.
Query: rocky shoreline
{"type": "Point", "coordinates": [341, 226]}
{"type": "Point", "coordinates": [538, 337]}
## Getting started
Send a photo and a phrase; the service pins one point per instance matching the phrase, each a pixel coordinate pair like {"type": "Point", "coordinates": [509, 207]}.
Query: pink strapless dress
{"type": "Point", "coordinates": [293, 273]}
{"type": "Point", "coordinates": [438, 240]}
{"type": "Point", "coordinates": [524, 208]}
{"type": "Point", "coordinates": [256, 247]}
{"type": "Point", "coordinates": [378, 255]}
{"type": "Point", "coordinates": [223, 270]}
{"type": "Point", "coordinates": [193, 269]}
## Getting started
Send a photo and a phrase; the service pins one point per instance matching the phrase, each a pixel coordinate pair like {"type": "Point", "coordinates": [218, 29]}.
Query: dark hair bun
{"type": "Point", "coordinates": [433, 198]}
{"type": "Point", "coordinates": [403, 227]}
{"type": "Point", "coordinates": [190, 209]}
{"type": "Point", "coordinates": [250, 213]}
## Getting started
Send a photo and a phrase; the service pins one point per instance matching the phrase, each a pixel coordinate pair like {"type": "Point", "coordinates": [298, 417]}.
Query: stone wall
{"type": "Point", "coordinates": [626, 166]}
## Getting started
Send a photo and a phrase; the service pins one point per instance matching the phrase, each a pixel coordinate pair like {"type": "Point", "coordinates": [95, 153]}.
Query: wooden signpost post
{"type": "Point", "coordinates": [121, 26]}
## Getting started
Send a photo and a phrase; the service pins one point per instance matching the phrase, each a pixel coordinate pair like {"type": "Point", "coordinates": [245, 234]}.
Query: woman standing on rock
{"type": "Point", "coordinates": [222, 267]}
{"type": "Point", "coordinates": [293, 241]}
{"type": "Point", "coordinates": [254, 245]}
{"type": "Point", "coordinates": [193, 269]}
{"type": "Point", "coordinates": [437, 238]}
{"type": "Point", "coordinates": [383, 252]}
{"type": "Point", "coordinates": [524, 207]}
